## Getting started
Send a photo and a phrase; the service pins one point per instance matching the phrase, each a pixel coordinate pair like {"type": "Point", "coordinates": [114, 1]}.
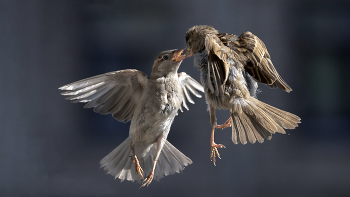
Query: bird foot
{"type": "Point", "coordinates": [214, 151]}
{"type": "Point", "coordinates": [225, 125]}
{"type": "Point", "coordinates": [137, 166]}
{"type": "Point", "coordinates": [148, 179]}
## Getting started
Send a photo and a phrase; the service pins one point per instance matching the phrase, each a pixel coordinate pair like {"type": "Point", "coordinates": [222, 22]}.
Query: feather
{"type": "Point", "coordinates": [247, 127]}
{"type": "Point", "coordinates": [193, 91]}
{"type": "Point", "coordinates": [189, 84]}
{"type": "Point", "coordinates": [194, 84]}
{"type": "Point", "coordinates": [210, 85]}
{"type": "Point", "coordinates": [184, 88]}
{"type": "Point", "coordinates": [83, 90]}
{"type": "Point", "coordinates": [85, 82]}
{"type": "Point", "coordinates": [118, 163]}
{"type": "Point", "coordinates": [109, 92]}
{"type": "Point", "coordinates": [255, 120]}
{"type": "Point", "coordinates": [104, 94]}
{"type": "Point", "coordinates": [239, 129]}
{"type": "Point", "coordinates": [259, 64]}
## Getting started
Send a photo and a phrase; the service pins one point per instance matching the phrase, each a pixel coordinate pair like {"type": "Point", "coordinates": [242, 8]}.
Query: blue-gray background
{"type": "Point", "coordinates": [49, 147]}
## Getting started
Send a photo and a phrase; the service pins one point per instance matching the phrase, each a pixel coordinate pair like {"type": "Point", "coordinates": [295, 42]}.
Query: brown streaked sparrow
{"type": "Point", "coordinates": [230, 68]}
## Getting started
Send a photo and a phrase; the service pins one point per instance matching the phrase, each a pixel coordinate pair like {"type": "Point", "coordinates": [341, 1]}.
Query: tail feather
{"type": "Point", "coordinates": [254, 120]}
{"type": "Point", "coordinates": [167, 167]}
{"type": "Point", "coordinates": [260, 115]}
{"type": "Point", "coordinates": [170, 161]}
{"type": "Point", "coordinates": [240, 129]}
{"type": "Point", "coordinates": [119, 164]}
{"type": "Point", "coordinates": [280, 114]}
{"type": "Point", "coordinates": [260, 132]}
{"type": "Point", "coordinates": [126, 172]}
{"type": "Point", "coordinates": [246, 128]}
{"type": "Point", "coordinates": [284, 119]}
{"type": "Point", "coordinates": [245, 122]}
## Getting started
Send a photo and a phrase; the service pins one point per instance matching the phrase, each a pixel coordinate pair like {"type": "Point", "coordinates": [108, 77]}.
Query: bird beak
{"type": "Point", "coordinates": [177, 56]}
{"type": "Point", "coordinates": [187, 52]}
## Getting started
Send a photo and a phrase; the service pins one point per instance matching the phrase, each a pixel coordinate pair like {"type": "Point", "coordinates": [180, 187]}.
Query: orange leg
{"type": "Point", "coordinates": [225, 125]}
{"type": "Point", "coordinates": [214, 151]}
{"type": "Point", "coordinates": [160, 144]}
{"type": "Point", "coordinates": [137, 166]}
{"type": "Point", "coordinates": [136, 161]}
{"type": "Point", "coordinates": [148, 179]}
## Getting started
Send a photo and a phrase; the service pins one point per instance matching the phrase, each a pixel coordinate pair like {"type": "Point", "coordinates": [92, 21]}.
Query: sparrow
{"type": "Point", "coordinates": [151, 104]}
{"type": "Point", "coordinates": [230, 68]}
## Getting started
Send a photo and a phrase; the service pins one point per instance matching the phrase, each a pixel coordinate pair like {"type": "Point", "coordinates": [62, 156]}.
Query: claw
{"type": "Point", "coordinates": [148, 179]}
{"type": "Point", "coordinates": [138, 168]}
{"type": "Point", "coordinates": [214, 152]}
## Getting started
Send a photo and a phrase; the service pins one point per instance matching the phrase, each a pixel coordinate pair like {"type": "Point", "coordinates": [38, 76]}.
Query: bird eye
{"type": "Point", "coordinates": [165, 57]}
{"type": "Point", "coordinates": [189, 43]}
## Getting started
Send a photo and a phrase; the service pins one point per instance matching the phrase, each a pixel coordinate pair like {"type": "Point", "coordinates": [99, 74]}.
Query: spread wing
{"type": "Point", "coordinates": [116, 93]}
{"type": "Point", "coordinates": [249, 50]}
{"type": "Point", "coordinates": [188, 84]}
{"type": "Point", "coordinates": [257, 61]}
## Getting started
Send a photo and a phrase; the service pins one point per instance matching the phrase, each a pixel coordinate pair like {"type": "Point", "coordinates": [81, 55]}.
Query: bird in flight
{"type": "Point", "coordinates": [230, 68]}
{"type": "Point", "coordinates": [151, 104]}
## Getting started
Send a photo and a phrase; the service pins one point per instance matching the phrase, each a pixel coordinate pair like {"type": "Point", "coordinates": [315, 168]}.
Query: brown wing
{"type": "Point", "coordinates": [116, 93]}
{"type": "Point", "coordinates": [220, 58]}
{"type": "Point", "coordinates": [257, 60]}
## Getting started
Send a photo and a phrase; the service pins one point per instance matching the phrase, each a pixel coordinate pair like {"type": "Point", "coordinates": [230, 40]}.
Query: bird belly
{"type": "Point", "coordinates": [147, 137]}
{"type": "Point", "coordinates": [155, 114]}
{"type": "Point", "coordinates": [235, 87]}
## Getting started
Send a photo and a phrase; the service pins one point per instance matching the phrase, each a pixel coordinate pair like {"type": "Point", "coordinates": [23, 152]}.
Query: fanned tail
{"type": "Point", "coordinates": [119, 162]}
{"type": "Point", "coordinates": [253, 120]}
{"type": "Point", "coordinates": [170, 161]}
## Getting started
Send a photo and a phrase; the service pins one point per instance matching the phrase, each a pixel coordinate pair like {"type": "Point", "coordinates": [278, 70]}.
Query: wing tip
{"type": "Point", "coordinates": [286, 88]}
{"type": "Point", "coordinates": [65, 87]}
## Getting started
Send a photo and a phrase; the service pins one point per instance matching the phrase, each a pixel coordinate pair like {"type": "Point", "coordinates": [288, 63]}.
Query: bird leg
{"type": "Point", "coordinates": [138, 168]}
{"type": "Point", "coordinates": [214, 151]}
{"type": "Point", "coordinates": [225, 125]}
{"type": "Point", "coordinates": [160, 144]}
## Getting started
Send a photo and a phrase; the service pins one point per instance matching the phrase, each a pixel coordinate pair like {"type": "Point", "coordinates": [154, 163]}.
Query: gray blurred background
{"type": "Point", "coordinates": [49, 147]}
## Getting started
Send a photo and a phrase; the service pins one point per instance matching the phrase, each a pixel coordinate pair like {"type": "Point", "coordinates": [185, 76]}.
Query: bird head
{"type": "Point", "coordinates": [195, 39]}
{"type": "Point", "coordinates": [167, 62]}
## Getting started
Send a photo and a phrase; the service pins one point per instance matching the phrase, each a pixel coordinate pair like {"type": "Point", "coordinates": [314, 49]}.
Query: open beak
{"type": "Point", "coordinates": [177, 56]}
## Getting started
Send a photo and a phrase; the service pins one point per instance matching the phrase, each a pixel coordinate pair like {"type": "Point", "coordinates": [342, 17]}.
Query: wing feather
{"type": "Point", "coordinates": [250, 51]}
{"type": "Point", "coordinates": [188, 84]}
{"type": "Point", "coordinates": [221, 57]}
{"type": "Point", "coordinates": [258, 61]}
{"type": "Point", "coordinates": [117, 93]}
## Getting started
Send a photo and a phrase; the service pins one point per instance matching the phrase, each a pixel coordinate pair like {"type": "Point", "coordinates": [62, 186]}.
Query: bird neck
{"type": "Point", "coordinates": [201, 49]}
{"type": "Point", "coordinates": [156, 75]}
